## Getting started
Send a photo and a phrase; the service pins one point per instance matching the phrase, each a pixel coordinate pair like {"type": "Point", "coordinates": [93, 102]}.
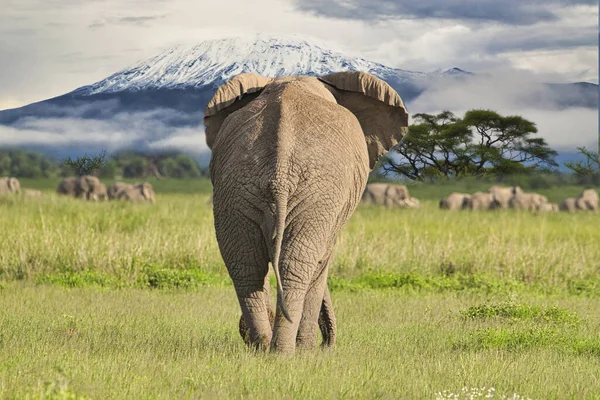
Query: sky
{"type": "Point", "coordinates": [51, 47]}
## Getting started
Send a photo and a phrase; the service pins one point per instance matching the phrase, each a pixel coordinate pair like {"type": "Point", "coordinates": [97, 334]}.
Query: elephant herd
{"type": "Point", "coordinates": [505, 197]}
{"type": "Point", "coordinates": [85, 187]}
{"type": "Point", "coordinates": [89, 187]}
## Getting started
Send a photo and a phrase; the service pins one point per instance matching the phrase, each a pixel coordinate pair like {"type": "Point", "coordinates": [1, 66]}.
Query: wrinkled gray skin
{"type": "Point", "coordinates": [527, 201]}
{"type": "Point", "coordinates": [9, 185]}
{"type": "Point", "coordinates": [503, 194]}
{"type": "Point", "coordinates": [87, 187]}
{"type": "Point", "coordinates": [290, 161]}
{"type": "Point", "coordinates": [482, 201]}
{"type": "Point", "coordinates": [327, 323]}
{"type": "Point", "coordinates": [455, 201]}
{"type": "Point", "coordinates": [385, 194]}
{"type": "Point", "coordinates": [137, 192]}
{"type": "Point", "coordinates": [587, 200]}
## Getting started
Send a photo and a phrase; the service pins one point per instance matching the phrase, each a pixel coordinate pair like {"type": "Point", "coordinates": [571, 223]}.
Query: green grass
{"type": "Point", "coordinates": [137, 343]}
{"type": "Point", "coordinates": [118, 300]}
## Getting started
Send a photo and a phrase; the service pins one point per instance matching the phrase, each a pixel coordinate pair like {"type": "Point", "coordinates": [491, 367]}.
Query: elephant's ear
{"type": "Point", "coordinates": [376, 105]}
{"type": "Point", "coordinates": [229, 97]}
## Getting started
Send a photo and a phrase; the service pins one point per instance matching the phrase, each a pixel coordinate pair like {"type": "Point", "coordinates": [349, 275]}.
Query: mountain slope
{"type": "Point", "coordinates": [157, 102]}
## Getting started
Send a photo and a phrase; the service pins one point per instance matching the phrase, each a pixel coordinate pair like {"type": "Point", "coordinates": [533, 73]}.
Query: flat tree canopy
{"type": "Point", "coordinates": [481, 143]}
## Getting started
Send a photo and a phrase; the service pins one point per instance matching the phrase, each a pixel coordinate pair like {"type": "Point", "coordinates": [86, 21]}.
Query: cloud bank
{"type": "Point", "coordinates": [49, 48]}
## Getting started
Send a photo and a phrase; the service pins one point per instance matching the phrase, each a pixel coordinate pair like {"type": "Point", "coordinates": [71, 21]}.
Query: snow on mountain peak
{"type": "Point", "coordinates": [213, 61]}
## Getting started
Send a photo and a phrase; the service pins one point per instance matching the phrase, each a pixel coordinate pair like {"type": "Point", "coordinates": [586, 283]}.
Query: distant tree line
{"type": "Point", "coordinates": [27, 164]}
{"type": "Point", "coordinates": [482, 145]}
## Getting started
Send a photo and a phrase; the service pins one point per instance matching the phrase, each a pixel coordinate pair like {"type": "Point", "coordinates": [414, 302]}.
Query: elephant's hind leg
{"type": "Point", "coordinates": [246, 257]}
{"type": "Point", "coordinates": [243, 327]}
{"type": "Point", "coordinates": [307, 330]}
{"type": "Point", "coordinates": [312, 317]}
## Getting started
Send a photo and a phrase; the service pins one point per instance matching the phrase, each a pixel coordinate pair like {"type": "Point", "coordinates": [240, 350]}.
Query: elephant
{"type": "Point", "coordinates": [503, 194]}
{"type": "Point", "coordinates": [587, 200]}
{"type": "Point", "coordinates": [455, 201]}
{"type": "Point", "coordinates": [115, 188]}
{"type": "Point", "coordinates": [101, 192]}
{"type": "Point", "coordinates": [87, 187]}
{"type": "Point", "coordinates": [385, 194]}
{"type": "Point", "coordinates": [527, 201]}
{"type": "Point", "coordinates": [32, 193]}
{"type": "Point", "coordinates": [290, 160]}
{"type": "Point", "coordinates": [548, 207]}
{"type": "Point", "coordinates": [9, 185]}
{"type": "Point", "coordinates": [569, 204]}
{"type": "Point", "coordinates": [482, 201]}
{"type": "Point", "coordinates": [68, 186]}
{"type": "Point", "coordinates": [137, 192]}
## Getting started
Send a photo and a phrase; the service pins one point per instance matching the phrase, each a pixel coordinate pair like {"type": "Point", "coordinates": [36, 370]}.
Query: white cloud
{"type": "Point", "coordinates": [139, 131]}
{"type": "Point", "coordinates": [515, 94]}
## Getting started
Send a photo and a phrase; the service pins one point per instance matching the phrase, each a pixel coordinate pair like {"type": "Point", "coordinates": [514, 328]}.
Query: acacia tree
{"type": "Point", "coordinates": [587, 170]}
{"type": "Point", "coordinates": [481, 143]}
{"type": "Point", "coordinates": [87, 164]}
{"type": "Point", "coordinates": [589, 166]}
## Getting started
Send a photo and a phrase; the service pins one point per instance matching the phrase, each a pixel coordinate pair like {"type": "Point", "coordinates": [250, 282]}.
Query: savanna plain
{"type": "Point", "coordinates": [117, 300]}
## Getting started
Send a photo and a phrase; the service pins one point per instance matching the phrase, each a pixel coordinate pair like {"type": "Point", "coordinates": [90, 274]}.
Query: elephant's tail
{"type": "Point", "coordinates": [280, 212]}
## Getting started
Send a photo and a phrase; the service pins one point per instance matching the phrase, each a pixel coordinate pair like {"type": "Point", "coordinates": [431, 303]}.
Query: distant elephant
{"type": "Point", "coordinates": [503, 194]}
{"type": "Point", "coordinates": [587, 200]}
{"type": "Point", "coordinates": [569, 204]}
{"type": "Point", "coordinates": [290, 160]}
{"type": "Point", "coordinates": [527, 201]}
{"type": "Point", "coordinates": [455, 201]}
{"type": "Point", "coordinates": [548, 207]}
{"type": "Point", "coordinates": [9, 185]}
{"type": "Point", "coordinates": [137, 192]}
{"type": "Point", "coordinates": [32, 193]}
{"type": "Point", "coordinates": [385, 194]}
{"type": "Point", "coordinates": [101, 192]}
{"type": "Point", "coordinates": [87, 187]}
{"type": "Point", "coordinates": [115, 188]}
{"type": "Point", "coordinates": [68, 186]}
{"type": "Point", "coordinates": [482, 201]}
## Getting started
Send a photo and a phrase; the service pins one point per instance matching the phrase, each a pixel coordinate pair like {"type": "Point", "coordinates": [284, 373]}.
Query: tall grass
{"type": "Point", "coordinates": [429, 304]}
{"type": "Point", "coordinates": [58, 234]}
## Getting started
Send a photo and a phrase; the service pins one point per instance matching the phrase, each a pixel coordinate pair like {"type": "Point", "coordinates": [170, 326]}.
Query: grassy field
{"type": "Point", "coordinates": [116, 300]}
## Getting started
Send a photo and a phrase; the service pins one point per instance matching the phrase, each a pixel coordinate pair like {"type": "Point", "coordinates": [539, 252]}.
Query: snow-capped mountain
{"type": "Point", "coordinates": [214, 61]}
{"type": "Point", "coordinates": [158, 103]}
